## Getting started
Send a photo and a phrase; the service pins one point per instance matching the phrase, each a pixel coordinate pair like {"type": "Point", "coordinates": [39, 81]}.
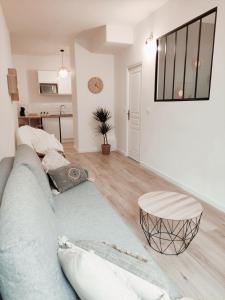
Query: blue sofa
{"type": "Point", "coordinates": [31, 219]}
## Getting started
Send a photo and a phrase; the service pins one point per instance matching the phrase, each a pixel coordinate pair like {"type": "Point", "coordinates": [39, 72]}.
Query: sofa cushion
{"type": "Point", "coordinates": [143, 267]}
{"type": "Point", "coordinates": [83, 207]}
{"type": "Point", "coordinates": [53, 160]}
{"type": "Point", "coordinates": [6, 165]}
{"type": "Point", "coordinates": [29, 268]}
{"type": "Point", "coordinates": [38, 139]}
{"type": "Point", "coordinates": [82, 267]}
{"type": "Point", "coordinates": [67, 177]}
{"type": "Point", "coordinates": [25, 155]}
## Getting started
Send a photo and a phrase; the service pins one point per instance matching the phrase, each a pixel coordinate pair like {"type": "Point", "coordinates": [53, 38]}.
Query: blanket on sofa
{"type": "Point", "coordinates": [143, 267]}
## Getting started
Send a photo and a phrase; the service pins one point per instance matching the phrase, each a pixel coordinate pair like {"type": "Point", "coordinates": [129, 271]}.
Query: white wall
{"type": "Point", "coordinates": [27, 67]}
{"type": "Point", "coordinates": [119, 34]}
{"type": "Point", "coordinates": [87, 65]}
{"type": "Point", "coordinates": [7, 116]}
{"type": "Point", "coordinates": [184, 141]}
{"type": "Point", "coordinates": [74, 98]}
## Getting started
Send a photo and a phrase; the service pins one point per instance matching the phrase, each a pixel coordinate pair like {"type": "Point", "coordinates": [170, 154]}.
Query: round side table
{"type": "Point", "coordinates": [169, 220]}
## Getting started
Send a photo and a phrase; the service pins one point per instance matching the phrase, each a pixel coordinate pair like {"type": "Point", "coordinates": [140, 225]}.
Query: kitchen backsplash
{"type": "Point", "coordinates": [51, 108]}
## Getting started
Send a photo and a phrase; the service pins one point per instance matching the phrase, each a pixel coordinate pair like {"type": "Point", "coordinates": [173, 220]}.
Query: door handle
{"type": "Point", "coordinates": [128, 115]}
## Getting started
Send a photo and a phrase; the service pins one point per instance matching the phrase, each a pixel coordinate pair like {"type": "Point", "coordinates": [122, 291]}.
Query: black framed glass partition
{"type": "Point", "coordinates": [184, 60]}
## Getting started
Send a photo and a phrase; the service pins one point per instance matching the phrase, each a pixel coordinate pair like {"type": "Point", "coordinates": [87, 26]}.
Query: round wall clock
{"type": "Point", "coordinates": [95, 85]}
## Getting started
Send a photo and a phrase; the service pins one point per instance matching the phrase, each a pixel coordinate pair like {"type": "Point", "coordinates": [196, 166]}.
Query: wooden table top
{"type": "Point", "coordinates": [170, 205]}
{"type": "Point", "coordinates": [44, 116]}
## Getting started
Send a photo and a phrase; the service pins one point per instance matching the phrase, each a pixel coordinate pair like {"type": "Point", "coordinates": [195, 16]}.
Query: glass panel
{"type": "Point", "coordinates": [185, 61]}
{"type": "Point", "coordinates": [191, 61]}
{"type": "Point", "coordinates": [161, 64]}
{"type": "Point", "coordinates": [205, 56]}
{"type": "Point", "coordinates": [170, 49]}
{"type": "Point", "coordinates": [180, 61]}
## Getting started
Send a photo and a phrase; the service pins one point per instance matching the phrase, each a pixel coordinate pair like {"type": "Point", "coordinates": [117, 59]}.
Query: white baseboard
{"type": "Point", "coordinates": [121, 152]}
{"type": "Point", "coordinates": [94, 149]}
{"type": "Point", "coordinates": [75, 147]}
{"type": "Point", "coordinates": [184, 187]}
{"type": "Point", "coordinates": [67, 140]}
{"type": "Point", "coordinates": [87, 150]}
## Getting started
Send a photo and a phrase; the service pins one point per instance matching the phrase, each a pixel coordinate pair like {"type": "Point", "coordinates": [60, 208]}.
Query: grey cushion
{"type": "Point", "coordinates": [6, 165]}
{"type": "Point", "coordinates": [25, 155]}
{"type": "Point", "coordinates": [66, 177]}
{"type": "Point", "coordinates": [29, 267]}
{"type": "Point", "coordinates": [83, 207]}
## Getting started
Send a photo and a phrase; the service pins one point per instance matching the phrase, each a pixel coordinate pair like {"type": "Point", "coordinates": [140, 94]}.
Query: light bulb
{"type": "Point", "coordinates": [63, 72]}
{"type": "Point", "coordinates": [149, 39]}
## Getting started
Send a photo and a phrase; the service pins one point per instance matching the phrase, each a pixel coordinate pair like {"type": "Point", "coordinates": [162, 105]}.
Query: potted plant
{"type": "Point", "coordinates": [102, 115]}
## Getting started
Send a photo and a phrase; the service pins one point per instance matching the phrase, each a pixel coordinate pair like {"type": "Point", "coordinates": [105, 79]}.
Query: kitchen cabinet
{"type": "Point", "coordinates": [47, 76]}
{"type": "Point", "coordinates": [67, 128]}
{"type": "Point", "coordinates": [12, 84]}
{"type": "Point", "coordinates": [64, 85]}
{"type": "Point", "coordinates": [51, 125]}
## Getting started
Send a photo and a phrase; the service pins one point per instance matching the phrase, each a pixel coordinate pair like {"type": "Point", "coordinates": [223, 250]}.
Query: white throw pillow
{"type": "Point", "coordinates": [54, 160]}
{"type": "Point", "coordinates": [45, 142]}
{"type": "Point", "coordinates": [24, 135]}
{"type": "Point", "coordinates": [40, 140]}
{"type": "Point", "coordinates": [94, 278]}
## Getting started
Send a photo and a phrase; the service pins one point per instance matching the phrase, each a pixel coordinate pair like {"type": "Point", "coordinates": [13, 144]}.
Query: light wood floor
{"type": "Point", "coordinates": [200, 271]}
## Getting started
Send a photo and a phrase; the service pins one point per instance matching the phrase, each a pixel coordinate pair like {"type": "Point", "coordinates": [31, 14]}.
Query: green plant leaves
{"type": "Point", "coordinates": [102, 115]}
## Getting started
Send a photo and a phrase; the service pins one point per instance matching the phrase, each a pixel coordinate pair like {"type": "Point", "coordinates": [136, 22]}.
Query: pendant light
{"type": "Point", "coordinates": [63, 72]}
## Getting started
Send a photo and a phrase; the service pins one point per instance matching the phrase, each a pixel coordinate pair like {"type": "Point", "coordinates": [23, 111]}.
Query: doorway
{"type": "Point", "coordinates": [134, 111]}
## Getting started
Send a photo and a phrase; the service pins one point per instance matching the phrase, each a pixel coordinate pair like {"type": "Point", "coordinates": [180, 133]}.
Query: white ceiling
{"type": "Point", "coordinates": [59, 21]}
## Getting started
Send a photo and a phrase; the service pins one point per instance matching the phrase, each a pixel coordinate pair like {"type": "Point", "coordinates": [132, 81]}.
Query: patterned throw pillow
{"type": "Point", "coordinates": [66, 177]}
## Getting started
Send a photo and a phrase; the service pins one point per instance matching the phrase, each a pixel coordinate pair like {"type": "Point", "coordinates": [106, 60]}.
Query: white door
{"type": "Point", "coordinates": [134, 113]}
